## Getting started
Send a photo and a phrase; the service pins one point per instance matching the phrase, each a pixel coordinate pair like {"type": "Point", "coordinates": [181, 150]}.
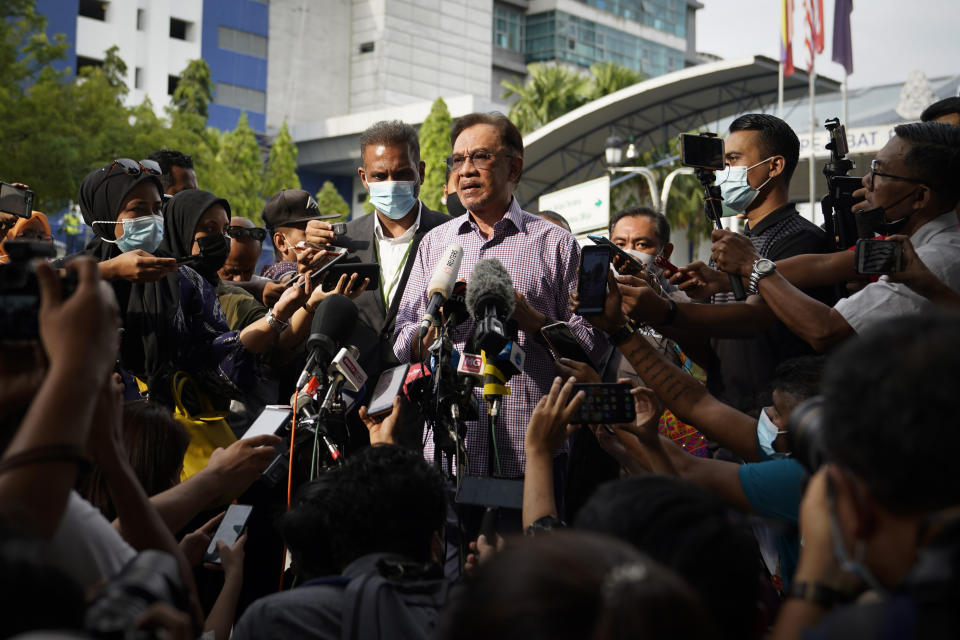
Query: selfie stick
{"type": "Point", "coordinates": [712, 206]}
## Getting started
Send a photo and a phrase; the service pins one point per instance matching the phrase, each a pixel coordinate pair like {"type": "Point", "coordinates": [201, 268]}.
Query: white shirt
{"type": "Point", "coordinates": [393, 254]}
{"type": "Point", "coordinates": [937, 244]}
{"type": "Point", "coordinates": [85, 545]}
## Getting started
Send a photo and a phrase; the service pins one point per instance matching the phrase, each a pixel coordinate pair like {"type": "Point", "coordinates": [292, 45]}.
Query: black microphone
{"type": "Point", "coordinates": [490, 301]}
{"type": "Point", "coordinates": [334, 320]}
{"type": "Point", "coordinates": [455, 308]}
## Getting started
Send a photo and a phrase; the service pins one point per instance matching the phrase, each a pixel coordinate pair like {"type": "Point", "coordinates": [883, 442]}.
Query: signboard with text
{"type": "Point", "coordinates": [586, 206]}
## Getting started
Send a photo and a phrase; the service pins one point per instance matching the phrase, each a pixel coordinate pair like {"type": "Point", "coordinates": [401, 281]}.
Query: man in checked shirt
{"type": "Point", "coordinates": [541, 258]}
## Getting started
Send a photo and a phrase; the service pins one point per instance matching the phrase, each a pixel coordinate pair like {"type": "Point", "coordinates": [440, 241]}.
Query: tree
{"type": "Point", "coordinates": [609, 77]}
{"type": "Point", "coordinates": [281, 170]}
{"type": "Point", "coordinates": [434, 149]}
{"type": "Point", "coordinates": [329, 201]}
{"type": "Point", "coordinates": [241, 180]}
{"type": "Point", "coordinates": [194, 91]}
{"type": "Point", "coordinates": [550, 91]}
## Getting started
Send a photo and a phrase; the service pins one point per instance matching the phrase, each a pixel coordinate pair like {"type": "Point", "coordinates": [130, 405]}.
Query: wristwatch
{"type": "Point", "coordinates": [622, 334]}
{"type": "Point", "coordinates": [275, 323]}
{"type": "Point", "coordinates": [761, 269]}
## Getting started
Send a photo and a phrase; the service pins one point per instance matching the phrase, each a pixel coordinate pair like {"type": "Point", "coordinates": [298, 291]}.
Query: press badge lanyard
{"type": "Point", "coordinates": [384, 289]}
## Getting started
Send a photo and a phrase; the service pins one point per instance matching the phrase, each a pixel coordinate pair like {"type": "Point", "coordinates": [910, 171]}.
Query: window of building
{"type": "Point", "coordinates": [181, 29]}
{"type": "Point", "coordinates": [83, 62]}
{"type": "Point", "coordinates": [508, 29]}
{"type": "Point", "coordinates": [366, 47]}
{"type": "Point", "coordinates": [141, 19]}
{"type": "Point", "coordinates": [242, 42]}
{"type": "Point", "coordinates": [172, 83]}
{"type": "Point", "coordinates": [95, 9]}
{"type": "Point", "coordinates": [231, 95]}
{"type": "Point", "coordinates": [138, 78]}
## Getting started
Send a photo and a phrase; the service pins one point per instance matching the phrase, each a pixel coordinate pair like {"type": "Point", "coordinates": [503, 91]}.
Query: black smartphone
{"type": "Point", "coordinates": [878, 256]}
{"type": "Point", "coordinates": [188, 260]}
{"type": "Point", "coordinates": [231, 528]}
{"type": "Point", "coordinates": [563, 341]}
{"type": "Point", "coordinates": [592, 285]}
{"type": "Point", "coordinates": [363, 269]}
{"type": "Point", "coordinates": [271, 420]}
{"type": "Point", "coordinates": [605, 403]}
{"type": "Point", "coordinates": [318, 274]}
{"type": "Point", "coordinates": [15, 200]}
{"type": "Point", "coordinates": [388, 387]}
{"type": "Point", "coordinates": [615, 250]}
{"type": "Point", "coordinates": [702, 152]}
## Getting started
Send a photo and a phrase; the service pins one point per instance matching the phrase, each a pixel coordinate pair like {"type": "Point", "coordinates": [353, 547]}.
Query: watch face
{"type": "Point", "coordinates": [765, 267]}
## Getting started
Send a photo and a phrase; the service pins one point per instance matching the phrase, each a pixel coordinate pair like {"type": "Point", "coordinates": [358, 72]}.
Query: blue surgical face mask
{"type": "Point", "coordinates": [393, 198]}
{"type": "Point", "coordinates": [144, 233]}
{"type": "Point", "coordinates": [767, 432]}
{"type": "Point", "coordinates": [736, 190]}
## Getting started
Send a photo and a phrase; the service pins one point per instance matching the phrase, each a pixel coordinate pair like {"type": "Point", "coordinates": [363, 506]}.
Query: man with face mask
{"type": "Point", "coordinates": [912, 186]}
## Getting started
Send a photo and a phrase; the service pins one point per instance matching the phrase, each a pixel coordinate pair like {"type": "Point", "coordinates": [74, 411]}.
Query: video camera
{"type": "Point", "coordinates": [837, 206]}
{"type": "Point", "coordinates": [19, 291]}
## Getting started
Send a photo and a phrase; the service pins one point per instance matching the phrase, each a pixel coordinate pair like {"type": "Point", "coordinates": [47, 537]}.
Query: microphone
{"type": "Point", "coordinates": [490, 301]}
{"type": "Point", "coordinates": [455, 308]}
{"type": "Point", "coordinates": [441, 285]}
{"type": "Point", "coordinates": [333, 321]}
{"type": "Point", "coordinates": [345, 371]}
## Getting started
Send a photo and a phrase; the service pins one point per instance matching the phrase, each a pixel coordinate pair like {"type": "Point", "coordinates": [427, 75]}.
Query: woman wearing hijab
{"type": "Point", "coordinates": [175, 322]}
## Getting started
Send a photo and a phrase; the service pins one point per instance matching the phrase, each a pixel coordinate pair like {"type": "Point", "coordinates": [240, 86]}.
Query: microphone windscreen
{"type": "Point", "coordinates": [490, 282]}
{"type": "Point", "coordinates": [333, 322]}
{"type": "Point", "coordinates": [445, 273]}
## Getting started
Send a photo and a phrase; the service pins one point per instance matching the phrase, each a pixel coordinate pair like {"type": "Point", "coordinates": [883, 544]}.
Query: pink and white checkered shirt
{"type": "Point", "coordinates": [542, 259]}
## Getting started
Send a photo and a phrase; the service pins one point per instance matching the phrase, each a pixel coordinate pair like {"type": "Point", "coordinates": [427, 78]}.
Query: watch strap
{"type": "Point", "coordinates": [623, 334]}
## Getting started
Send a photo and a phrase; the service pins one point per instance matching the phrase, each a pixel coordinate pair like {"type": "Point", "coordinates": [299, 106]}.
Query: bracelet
{"type": "Point", "coordinates": [275, 323]}
{"type": "Point", "coordinates": [816, 593]}
{"type": "Point", "coordinates": [49, 453]}
{"type": "Point", "coordinates": [671, 312]}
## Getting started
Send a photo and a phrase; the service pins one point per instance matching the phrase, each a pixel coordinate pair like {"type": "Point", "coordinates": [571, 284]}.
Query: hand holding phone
{"type": "Point", "coordinates": [605, 403]}
{"type": "Point", "coordinates": [592, 284]}
{"type": "Point", "coordinates": [563, 341]}
{"type": "Point", "coordinates": [878, 256]}
{"type": "Point", "coordinates": [231, 528]}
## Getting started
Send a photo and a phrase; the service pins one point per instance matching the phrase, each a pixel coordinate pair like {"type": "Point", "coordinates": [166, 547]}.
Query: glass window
{"type": "Point", "coordinates": [508, 28]}
{"type": "Point", "coordinates": [231, 95]}
{"type": "Point", "coordinates": [94, 9]}
{"type": "Point", "coordinates": [242, 42]}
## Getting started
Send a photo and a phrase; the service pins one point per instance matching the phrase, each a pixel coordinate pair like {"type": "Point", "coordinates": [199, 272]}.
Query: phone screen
{"type": "Point", "coordinates": [615, 250]}
{"type": "Point", "coordinates": [388, 386]}
{"type": "Point", "coordinates": [271, 419]}
{"type": "Point", "coordinates": [605, 403]}
{"type": "Point", "coordinates": [592, 287]}
{"type": "Point", "coordinates": [564, 342]}
{"type": "Point", "coordinates": [878, 256]}
{"type": "Point", "coordinates": [705, 152]}
{"type": "Point", "coordinates": [231, 528]}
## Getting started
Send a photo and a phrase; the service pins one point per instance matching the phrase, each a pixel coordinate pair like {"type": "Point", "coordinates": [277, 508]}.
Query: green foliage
{"type": "Point", "coordinates": [194, 92]}
{"type": "Point", "coordinates": [550, 91]}
{"type": "Point", "coordinates": [609, 77]}
{"type": "Point", "coordinates": [329, 201]}
{"type": "Point", "coordinates": [434, 149]}
{"type": "Point", "coordinates": [240, 179]}
{"type": "Point", "coordinates": [281, 164]}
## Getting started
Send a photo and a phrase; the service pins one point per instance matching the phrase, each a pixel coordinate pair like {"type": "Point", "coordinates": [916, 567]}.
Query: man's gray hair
{"type": "Point", "coordinates": [393, 133]}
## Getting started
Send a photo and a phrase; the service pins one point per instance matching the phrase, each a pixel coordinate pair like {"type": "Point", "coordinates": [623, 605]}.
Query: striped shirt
{"type": "Point", "coordinates": [542, 259]}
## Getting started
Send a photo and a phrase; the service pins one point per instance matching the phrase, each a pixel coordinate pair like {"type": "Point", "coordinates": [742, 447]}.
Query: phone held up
{"type": "Point", "coordinates": [878, 256]}
{"type": "Point", "coordinates": [230, 529]}
{"type": "Point", "coordinates": [605, 403]}
{"type": "Point", "coordinates": [701, 152]}
{"type": "Point", "coordinates": [592, 284]}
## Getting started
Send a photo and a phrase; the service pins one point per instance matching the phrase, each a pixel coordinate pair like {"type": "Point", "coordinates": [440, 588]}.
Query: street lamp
{"type": "Point", "coordinates": [613, 150]}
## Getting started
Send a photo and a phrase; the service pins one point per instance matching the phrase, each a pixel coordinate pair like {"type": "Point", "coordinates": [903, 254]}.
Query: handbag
{"type": "Point", "coordinates": [208, 429]}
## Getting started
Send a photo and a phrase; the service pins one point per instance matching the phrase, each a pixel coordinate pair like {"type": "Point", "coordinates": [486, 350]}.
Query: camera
{"type": "Point", "coordinates": [19, 292]}
{"type": "Point", "coordinates": [703, 151]}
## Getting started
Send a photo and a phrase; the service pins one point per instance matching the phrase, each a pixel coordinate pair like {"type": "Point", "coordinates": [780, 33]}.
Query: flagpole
{"type": "Point", "coordinates": [813, 125]}
{"type": "Point", "coordinates": [780, 92]}
{"type": "Point", "coordinates": [843, 90]}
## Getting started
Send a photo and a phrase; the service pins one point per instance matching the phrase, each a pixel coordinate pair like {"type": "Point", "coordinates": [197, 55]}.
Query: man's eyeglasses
{"type": "Point", "coordinates": [247, 233]}
{"type": "Point", "coordinates": [480, 159]}
{"type": "Point", "coordinates": [132, 168]}
{"type": "Point", "coordinates": [874, 173]}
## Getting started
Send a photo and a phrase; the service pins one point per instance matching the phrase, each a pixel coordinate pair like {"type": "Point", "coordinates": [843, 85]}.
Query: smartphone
{"type": "Point", "coordinates": [878, 256]}
{"type": "Point", "coordinates": [388, 387]}
{"type": "Point", "coordinates": [363, 269]}
{"type": "Point", "coordinates": [605, 403]}
{"type": "Point", "coordinates": [15, 200]}
{"type": "Point", "coordinates": [317, 275]}
{"type": "Point", "coordinates": [562, 340]}
{"type": "Point", "coordinates": [592, 285]}
{"type": "Point", "coordinates": [231, 528]}
{"type": "Point", "coordinates": [606, 242]}
{"type": "Point", "coordinates": [701, 151]}
{"type": "Point", "coordinates": [188, 260]}
{"type": "Point", "coordinates": [271, 420]}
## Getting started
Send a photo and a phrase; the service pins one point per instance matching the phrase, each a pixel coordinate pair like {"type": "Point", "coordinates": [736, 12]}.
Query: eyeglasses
{"type": "Point", "coordinates": [874, 173]}
{"type": "Point", "coordinates": [247, 233]}
{"type": "Point", "coordinates": [132, 168]}
{"type": "Point", "coordinates": [480, 159]}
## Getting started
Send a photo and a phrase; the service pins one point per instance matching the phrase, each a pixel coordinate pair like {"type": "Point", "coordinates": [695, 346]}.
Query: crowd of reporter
{"type": "Point", "coordinates": [821, 504]}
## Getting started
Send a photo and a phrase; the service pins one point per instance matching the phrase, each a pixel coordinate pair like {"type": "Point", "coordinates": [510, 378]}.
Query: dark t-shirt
{"type": "Point", "coordinates": [745, 366]}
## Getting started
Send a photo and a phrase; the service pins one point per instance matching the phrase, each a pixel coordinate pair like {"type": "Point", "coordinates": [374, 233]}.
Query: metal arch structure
{"type": "Point", "coordinates": [570, 149]}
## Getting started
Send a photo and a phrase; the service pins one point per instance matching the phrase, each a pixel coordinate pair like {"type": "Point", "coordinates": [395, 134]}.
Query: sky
{"type": "Point", "coordinates": [890, 37]}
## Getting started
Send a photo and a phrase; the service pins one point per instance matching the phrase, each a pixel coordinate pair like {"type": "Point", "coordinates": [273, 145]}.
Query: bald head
{"type": "Point", "coordinates": [242, 222]}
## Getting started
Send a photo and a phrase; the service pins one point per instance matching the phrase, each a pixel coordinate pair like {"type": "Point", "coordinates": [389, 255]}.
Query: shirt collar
{"type": "Point", "coordinates": [514, 214]}
{"type": "Point", "coordinates": [378, 228]}
{"type": "Point", "coordinates": [772, 218]}
{"type": "Point", "coordinates": [942, 222]}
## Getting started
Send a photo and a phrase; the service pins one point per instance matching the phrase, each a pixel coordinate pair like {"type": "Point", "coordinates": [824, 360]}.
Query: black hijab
{"type": "Point", "coordinates": [180, 218]}
{"type": "Point", "coordinates": [149, 309]}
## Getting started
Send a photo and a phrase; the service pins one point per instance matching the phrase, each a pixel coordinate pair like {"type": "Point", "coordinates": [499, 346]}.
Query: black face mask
{"type": "Point", "coordinates": [875, 221]}
{"type": "Point", "coordinates": [454, 206]}
{"type": "Point", "coordinates": [213, 255]}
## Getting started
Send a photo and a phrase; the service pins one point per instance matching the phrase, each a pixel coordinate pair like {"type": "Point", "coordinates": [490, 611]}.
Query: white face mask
{"type": "Point", "coordinates": [645, 258]}
{"type": "Point", "coordinates": [736, 192]}
{"type": "Point", "coordinates": [767, 432]}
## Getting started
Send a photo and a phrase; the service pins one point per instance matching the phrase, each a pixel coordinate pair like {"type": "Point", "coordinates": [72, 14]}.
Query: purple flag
{"type": "Point", "coordinates": [842, 46]}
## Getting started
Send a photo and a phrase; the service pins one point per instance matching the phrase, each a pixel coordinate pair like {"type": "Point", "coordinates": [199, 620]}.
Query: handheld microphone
{"type": "Point", "coordinates": [345, 371]}
{"type": "Point", "coordinates": [441, 286]}
{"type": "Point", "coordinates": [455, 308]}
{"type": "Point", "coordinates": [490, 301]}
{"type": "Point", "coordinates": [333, 321]}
